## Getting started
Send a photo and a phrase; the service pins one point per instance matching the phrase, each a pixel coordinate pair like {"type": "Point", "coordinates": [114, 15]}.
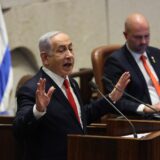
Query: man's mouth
{"type": "Point", "coordinates": [69, 64]}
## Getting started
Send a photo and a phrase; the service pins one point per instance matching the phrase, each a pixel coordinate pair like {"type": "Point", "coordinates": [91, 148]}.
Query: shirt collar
{"type": "Point", "coordinates": [55, 77]}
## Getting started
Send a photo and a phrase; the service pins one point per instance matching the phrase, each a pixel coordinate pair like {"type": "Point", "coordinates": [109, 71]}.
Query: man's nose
{"type": "Point", "coordinates": [69, 52]}
{"type": "Point", "coordinates": [144, 40]}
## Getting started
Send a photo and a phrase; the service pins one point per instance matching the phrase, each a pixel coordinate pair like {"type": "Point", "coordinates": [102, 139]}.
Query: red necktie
{"type": "Point", "coordinates": [70, 98]}
{"type": "Point", "coordinates": [151, 75]}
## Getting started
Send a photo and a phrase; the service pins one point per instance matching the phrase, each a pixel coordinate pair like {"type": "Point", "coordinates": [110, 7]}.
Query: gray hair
{"type": "Point", "coordinates": [44, 41]}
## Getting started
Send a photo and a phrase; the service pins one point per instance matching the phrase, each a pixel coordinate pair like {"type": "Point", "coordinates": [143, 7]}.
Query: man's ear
{"type": "Point", "coordinates": [125, 34]}
{"type": "Point", "coordinates": [44, 58]}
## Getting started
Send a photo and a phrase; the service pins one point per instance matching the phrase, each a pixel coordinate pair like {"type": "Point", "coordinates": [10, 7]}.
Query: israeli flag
{"type": "Point", "coordinates": [6, 74]}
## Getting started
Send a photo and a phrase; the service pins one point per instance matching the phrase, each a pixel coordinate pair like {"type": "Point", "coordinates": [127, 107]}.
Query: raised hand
{"type": "Point", "coordinates": [43, 98]}
{"type": "Point", "coordinates": [117, 92]}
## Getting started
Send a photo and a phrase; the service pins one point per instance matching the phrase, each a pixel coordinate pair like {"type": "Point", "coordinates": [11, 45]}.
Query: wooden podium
{"type": "Point", "coordinates": [9, 149]}
{"type": "Point", "coordinates": [110, 145]}
{"type": "Point", "coordinates": [102, 142]}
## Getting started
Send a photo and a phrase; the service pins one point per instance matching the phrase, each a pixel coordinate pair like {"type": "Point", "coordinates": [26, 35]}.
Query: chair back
{"type": "Point", "coordinates": [98, 57]}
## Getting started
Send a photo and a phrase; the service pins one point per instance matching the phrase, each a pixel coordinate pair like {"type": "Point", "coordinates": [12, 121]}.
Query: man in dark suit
{"type": "Point", "coordinates": [128, 58]}
{"type": "Point", "coordinates": [46, 113]}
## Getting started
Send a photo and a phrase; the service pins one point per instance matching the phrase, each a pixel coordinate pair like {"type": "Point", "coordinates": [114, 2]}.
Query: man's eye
{"type": "Point", "coordinates": [61, 50]}
{"type": "Point", "coordinates": [138, 37]}
{"type": "Point", "coordinates": [141, 37]}
{"type": "Point", "coordinates": [147, 36]}
{"type": "Point", "coordinates": [71, 49]}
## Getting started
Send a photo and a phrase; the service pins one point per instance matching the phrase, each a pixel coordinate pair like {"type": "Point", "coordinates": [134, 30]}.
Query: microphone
{"type": "Point", "coordinates": [128, 95]}
{"type": "Point", "coordinates": [95, 87]}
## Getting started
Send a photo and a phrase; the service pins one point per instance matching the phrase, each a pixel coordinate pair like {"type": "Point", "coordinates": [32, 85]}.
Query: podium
{"type": "Point", "coordinates": [111, 145]}
{"type": "Point", "coordinates": [102, 142]}
{"type": "Point", "coordinates": [9, 149]}
{"type": "Point", "coordinates": [6, 138]}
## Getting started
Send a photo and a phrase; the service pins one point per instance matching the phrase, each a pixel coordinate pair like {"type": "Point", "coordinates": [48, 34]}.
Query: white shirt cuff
{"type": "Point", "coordinates": [141, 108]}
{"type": "Point", "coordinates": [38, 114]}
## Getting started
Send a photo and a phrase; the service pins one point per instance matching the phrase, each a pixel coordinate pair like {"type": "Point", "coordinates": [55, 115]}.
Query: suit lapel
{"type": "Point", "coordinates": [155, 62]}
{"type": "Point", "coordinates": [136, 72]}
{"type": "Point", "coordinates": [77, 93]}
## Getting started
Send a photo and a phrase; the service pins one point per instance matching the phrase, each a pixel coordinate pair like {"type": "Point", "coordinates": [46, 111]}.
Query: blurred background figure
{"type": "Point", "coordinates": [142, 62]}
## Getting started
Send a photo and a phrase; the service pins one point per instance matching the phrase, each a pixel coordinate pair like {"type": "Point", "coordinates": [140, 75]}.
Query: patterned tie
{"type": "Point", "coordinates": [70, 98]}
{"type": "Point", "coordinates": [153, 79]}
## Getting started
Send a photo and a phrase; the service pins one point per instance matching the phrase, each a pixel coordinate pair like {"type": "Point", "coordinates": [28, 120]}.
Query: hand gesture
{"type": "Point", "coordinates": [43, 98]}
{"type": "Point", "coordinates": [156, 108]}
{"type": "Point", "coordinates": [117, 92]}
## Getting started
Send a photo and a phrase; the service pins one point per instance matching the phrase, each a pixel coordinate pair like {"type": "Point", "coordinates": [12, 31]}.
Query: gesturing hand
{"type": "Point", "coordinates": [117, 92]}
{"type": "Point", "coordinates": [43, 98]}
{"type": "Point", "coordinates": [155, 107]}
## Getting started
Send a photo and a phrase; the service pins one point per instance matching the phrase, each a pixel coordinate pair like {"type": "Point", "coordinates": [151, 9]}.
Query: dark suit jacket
{"type": "Point", "coordinates": [46, 138]}
{"type": "Point", "coordinates": [121, 61]}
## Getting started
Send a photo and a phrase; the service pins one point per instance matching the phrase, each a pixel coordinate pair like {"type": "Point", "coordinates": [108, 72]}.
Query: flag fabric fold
{"type": "Point", "coordinates": [6, 73]}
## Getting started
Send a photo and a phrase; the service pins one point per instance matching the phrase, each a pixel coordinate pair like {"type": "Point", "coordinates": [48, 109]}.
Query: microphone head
{"type": "Point", "coordinates": [93, 85]}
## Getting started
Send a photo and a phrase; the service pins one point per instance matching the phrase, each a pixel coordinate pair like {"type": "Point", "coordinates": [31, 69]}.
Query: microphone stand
{"type": "Point", "coordinates": [132, 126]}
